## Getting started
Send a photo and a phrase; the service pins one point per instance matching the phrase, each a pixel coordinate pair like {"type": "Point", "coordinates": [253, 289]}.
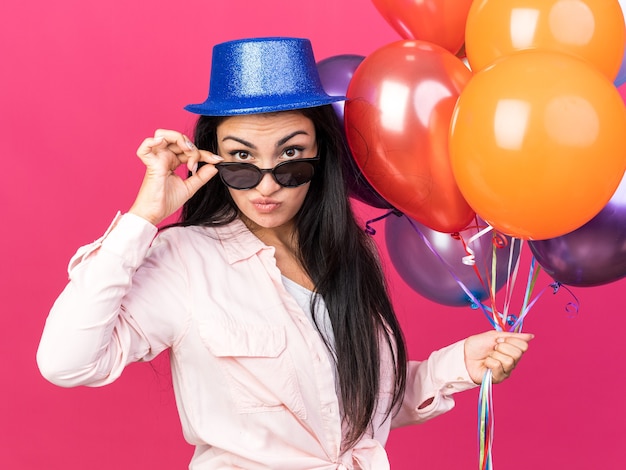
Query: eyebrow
{"type": "Point", "coordinates": [241, 141]}
{"type": "Point", "coordinates": [286, 139]}
{"type": "Point", "coordinates": [281, 142]}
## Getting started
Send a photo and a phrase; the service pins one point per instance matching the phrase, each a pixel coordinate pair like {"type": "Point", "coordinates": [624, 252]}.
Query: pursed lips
{"type": "Point", "coordinates": [265, 204]}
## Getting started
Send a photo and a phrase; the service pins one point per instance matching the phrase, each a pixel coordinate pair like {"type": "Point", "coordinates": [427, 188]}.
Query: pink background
{"type": "Point", "coordinates": [82, 83]}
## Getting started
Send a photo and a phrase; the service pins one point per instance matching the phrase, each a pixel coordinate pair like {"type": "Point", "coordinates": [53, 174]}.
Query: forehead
{"type": "Point", "coordinates": [267, 126]}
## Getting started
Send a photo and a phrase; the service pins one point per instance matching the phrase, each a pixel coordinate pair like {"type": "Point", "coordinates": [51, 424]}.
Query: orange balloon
{"type": "Point", "coordinates": [397, 119]}
{"type": "Point", "coordinates": [538, 143]}
{"type": "Point", "coordinates": [441, 22]}
{"type": "Point", "coordinates": [590, 29]}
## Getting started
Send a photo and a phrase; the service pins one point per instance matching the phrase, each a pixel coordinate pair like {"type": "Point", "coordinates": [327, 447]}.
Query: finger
{"type": "Point", "coordinates": [192, 154]}
{"type": "Point", "coordinates": [180, 143]}
{"type": "Point", "coordinates": [508, 361]}
{"type": "Point", "coordinates": [149, 145]}
{"type": "Point", "coordinates": [169, 135]}
{"type": "Point", "coordinates": [199, 178]}
{"type": "Point", "coordinates": [497, 371]}
{"type": "Point", "coordinates": [507, 336]}
{"type": "Point", "coordinates": [183, 145]}
{"type": "Point", "coordinates": [203, 156]}
{"type": "Point", "coordinates": [501, 366]}
{"type": "Point", "coordinates": [176, 141]}
{"type": "Point", "coordinates": [192, 165]}
{"type": "Point", "coordinates": [512, 346]}
{"type": "Point", "coordinates": [209, 157]}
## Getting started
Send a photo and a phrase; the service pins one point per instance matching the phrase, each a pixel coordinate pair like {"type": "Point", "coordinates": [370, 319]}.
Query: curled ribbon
{"type": "Point", "coordinates": [368, 225]}
{"type": "Point", "coordinates": [501, 321]}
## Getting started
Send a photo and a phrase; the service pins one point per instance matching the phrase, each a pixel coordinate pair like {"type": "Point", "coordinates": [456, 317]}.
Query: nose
{"type": "Point", "coordinates": [268, 184]}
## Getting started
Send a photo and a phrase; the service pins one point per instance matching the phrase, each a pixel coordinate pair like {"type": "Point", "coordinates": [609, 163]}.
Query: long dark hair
{"type": "Point", "coordinates": [342, 261]}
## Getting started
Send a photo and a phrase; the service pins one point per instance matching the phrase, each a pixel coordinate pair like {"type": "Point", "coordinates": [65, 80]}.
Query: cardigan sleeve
{"type": "Point", "coordinates": [437, 378]}
{"type": "Point", "coordinates": [89, 335]}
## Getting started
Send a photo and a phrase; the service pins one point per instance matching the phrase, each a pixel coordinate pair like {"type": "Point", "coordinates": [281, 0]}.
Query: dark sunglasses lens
{"type": "Point", "coordinates": [247, 176]}
{"type": "Point", "coordinates": [294, 173]}
{"type": "Point", "coordinates": [240, 176]}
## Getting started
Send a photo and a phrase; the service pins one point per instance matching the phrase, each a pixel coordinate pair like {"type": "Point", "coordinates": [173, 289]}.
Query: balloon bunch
{"type": "Point", "coordinates": [530, 139]}
{"type": "Point", "coordinates": [543, 106]}
{"type": "Point", "coordinates": [523, 136]}
{"type": "Point", "coordinates": [536, 139]}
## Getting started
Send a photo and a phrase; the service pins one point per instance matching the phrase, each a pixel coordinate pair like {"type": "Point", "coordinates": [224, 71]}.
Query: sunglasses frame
{"type": "Point", "coordinates": [262, 171]}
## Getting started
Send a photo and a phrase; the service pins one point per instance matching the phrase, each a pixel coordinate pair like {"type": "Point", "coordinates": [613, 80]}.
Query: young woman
{"type": "Point", "coordinates": [285, 349]}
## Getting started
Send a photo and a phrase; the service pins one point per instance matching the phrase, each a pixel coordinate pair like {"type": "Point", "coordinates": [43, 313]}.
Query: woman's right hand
{"type": "Point", "coordinates": [162, 191]}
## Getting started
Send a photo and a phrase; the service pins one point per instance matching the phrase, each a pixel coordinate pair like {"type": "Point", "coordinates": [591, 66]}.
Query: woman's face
{"type": "Point", "coordinates": [265, 140]}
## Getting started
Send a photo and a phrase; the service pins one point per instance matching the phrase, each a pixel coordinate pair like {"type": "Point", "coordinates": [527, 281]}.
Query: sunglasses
{"type": "Point", "coordinates": [289, 174]}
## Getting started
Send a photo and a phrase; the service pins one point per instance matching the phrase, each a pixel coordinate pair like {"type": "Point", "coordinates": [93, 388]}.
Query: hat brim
{"type": "Point", "coordinates": [247, 106]}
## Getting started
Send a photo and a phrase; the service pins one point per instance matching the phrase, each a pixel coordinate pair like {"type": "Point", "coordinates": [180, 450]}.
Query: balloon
{"type": "Point", "coordinates": [427, 273]}
{"type": "Point", "coordinates": [397, 119]}
{"type": "Point", "coordinates": [360, 189]}
{"type": "Point", "coordinates": [335, 74]}
{"type": "Point", "coordinates": [592, 255]}
{"type": "Point", "coordinates": [590, 29]}
{"type": "Point", "coordinates": [622, 91]}
{"type": "Point", "coordinates": [440, 22]}
{"type": "Point", "coordinates": [538, 143]}
{"type": "Point", "coordinates": [621, 74]}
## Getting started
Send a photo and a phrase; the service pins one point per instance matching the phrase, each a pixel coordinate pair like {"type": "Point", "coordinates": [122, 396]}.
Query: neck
{"type": "Point", "coordinates": [285, 243]}
{"type": "Point", "coordinates": [283, 236]}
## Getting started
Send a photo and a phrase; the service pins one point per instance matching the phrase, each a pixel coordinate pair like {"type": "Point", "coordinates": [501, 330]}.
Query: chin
{"type": "Point", "coordinates": [266, 221]}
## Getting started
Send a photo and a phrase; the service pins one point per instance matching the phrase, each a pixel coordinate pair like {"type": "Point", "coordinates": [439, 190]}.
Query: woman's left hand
{"type": "Point", "coordinates": [495, 350]}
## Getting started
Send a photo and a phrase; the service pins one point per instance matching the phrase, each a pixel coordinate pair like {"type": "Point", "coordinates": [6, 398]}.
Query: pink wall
{"type": "Point", "coordinates": [81, 84]}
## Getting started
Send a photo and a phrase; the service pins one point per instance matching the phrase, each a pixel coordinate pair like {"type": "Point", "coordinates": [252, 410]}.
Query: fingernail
{"type": "Point", "coordinates": [190, 145]}
{"type": "Point", "coordinates": [194, 169]}
{"type": "Point", "coordinates": [500, 340]}
{"type": "Point", "coordinates": [217, 157]}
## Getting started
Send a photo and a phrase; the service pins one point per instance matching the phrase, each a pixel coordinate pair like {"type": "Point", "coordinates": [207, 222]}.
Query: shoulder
{"type": "Point", "coordinates": [233, 230]}
{"type": "Point", "coordinates": [206, 241]}
{"type": "Point", "coordinates": [179, 238]}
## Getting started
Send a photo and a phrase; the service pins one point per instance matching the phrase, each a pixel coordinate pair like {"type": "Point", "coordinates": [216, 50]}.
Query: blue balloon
{"type": "Point", "coordinates": [437, 271]}
{"type": "Point", "coordinates": [335, 74]}
{"type": "Point", "coordinates": [621, 75]}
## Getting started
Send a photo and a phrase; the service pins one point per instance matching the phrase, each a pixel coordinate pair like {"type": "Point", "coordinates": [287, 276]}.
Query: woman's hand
{"type": "Point", "coordinates": [162, 191]}
{"type": "Point", "coordinates": [498, 351]}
